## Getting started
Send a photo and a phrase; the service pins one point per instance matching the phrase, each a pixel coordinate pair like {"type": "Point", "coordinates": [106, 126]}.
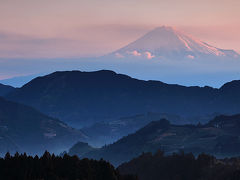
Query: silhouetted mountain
{"type": "Point", "coordinates": [24, 129]}
{"type": "Point", "coordinates": [218, 137]}
{"type": "Point", "coordinates": [182, 166]}
{"type": "Point", "coordinates": [102, 133]}
{"type": "Point", "coordinates": [80, 149]}
{"type": "Point", "coordinates": [4, 89]}
{"type": "Point", "coordinates": [83, 98]}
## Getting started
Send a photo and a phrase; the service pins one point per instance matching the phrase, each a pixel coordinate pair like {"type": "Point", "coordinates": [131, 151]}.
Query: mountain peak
{"type": "Point", "coordinates": [164, 28]}
{"type": "Point", "coordinates": [166, 42]}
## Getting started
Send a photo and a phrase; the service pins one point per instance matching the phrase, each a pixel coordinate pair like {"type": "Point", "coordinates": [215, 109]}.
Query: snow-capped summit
{"type": "Point", "coordinates": [168, 42]}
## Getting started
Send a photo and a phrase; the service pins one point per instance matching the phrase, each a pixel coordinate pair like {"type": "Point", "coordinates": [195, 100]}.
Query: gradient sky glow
{"type": "Point", "coordinates": [77, 28]}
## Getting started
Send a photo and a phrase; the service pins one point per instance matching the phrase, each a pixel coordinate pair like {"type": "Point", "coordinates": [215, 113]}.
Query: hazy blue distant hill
{"type": "Point", "coordinates": [218, 137]}
{"type": "Point", "coordinates": [84, 98]}
{"type": "Point", "coordinates": [102, 133]}
{"type": "Point", "coordinates": [24, 129]}
{"type": "Point", "coordinates": [18, 81]}
{"type": "Point", "coordinates": [80, 149]}
{"type": "Point", "coordinates": [4, 89]}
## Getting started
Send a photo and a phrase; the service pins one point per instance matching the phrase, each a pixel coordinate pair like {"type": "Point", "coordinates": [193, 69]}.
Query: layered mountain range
{"type": "Point", "coordinates": [102, 133]}
{"type": "Point", "coordinates": [99, 101]}
{"type": "Point", "coordinates": [84, 98]}
{"type": "Point", "coordinates": [109, 108]}
{"type": "Point", "coordinates": [25, 129]}
{"type": "Point", "coordinates": [219, 137]}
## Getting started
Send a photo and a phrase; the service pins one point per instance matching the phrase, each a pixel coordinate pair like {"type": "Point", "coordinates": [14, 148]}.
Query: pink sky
{"type": "Point", "coordinates": [77, 28]}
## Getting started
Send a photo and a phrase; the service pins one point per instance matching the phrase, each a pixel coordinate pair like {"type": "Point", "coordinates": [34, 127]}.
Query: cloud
{"type": "Point", "coordinates": [22, 46]}
{"type": "Point", "coordinates": [190, 57]}
{"type": "Point", "coordinates": [80, 41]}
{"type": "Point", "coordinates": [146, 54]}
{"type": "Point", "coordinates": [118, 55]}
{"type": "Point", "coordinates": [149, 55]}
{"type": "Point", "coordinates": [134, 53]}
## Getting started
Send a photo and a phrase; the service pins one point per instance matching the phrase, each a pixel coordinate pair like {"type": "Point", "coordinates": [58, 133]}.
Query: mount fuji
{"type": "Point", "coordinates": [169, 43]}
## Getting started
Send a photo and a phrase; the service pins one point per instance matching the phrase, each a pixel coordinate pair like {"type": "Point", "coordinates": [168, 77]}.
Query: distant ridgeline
{"type": "Point", "coordinates": [51, 167]}
{"type": "Point", "coordinates": [219, 137]}
{"type": "Point", "coordinates": [84, 98]}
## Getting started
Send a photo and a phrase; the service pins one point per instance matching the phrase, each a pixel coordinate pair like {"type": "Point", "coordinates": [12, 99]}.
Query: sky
{"type": "Point", "coordinates": [33, 31]}
{"type": "Point", "coordinates": [77, 28]}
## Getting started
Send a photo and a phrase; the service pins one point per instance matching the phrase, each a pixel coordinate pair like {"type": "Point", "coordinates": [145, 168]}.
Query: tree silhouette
{"type": "Point", "coordinates": [51, 167]}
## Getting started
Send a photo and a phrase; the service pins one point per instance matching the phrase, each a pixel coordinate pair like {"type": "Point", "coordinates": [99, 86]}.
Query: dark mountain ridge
{"type": "Point", "coordinates": [83, 98]}
{"type": "Point", "coordinates": [5, 89]}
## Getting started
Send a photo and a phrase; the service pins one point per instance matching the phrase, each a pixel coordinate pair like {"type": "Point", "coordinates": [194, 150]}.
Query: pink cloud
{"type": "Point", "coordinates": [135, 53]}
{"type": "Point", "coordinates": [190, 57]}
{"type": "Point", "coordinates": [149, 55]}
{"type": "Point", "coordinates": [118, 55]}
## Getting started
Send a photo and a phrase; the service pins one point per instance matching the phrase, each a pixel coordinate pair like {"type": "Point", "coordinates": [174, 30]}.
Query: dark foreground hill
{"type": "Point", "coordinates": [4, 89]}
{"type": "Point", "coordinates": [24, 129]}
{"type": "Point", "coordinates": [83, 98]}
{"type": "Point", "coordinates": [219, 137]}
{"type": "Point", "coordinates": [182, 167]}
{"type": "Point", "coordinates": [50, 167]}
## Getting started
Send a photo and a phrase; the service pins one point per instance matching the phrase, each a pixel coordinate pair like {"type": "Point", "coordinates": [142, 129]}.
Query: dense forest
{"type": "Point", "coordinates": [51, 167]}
{"type": "Point", "coordinates": [181, 166]}
{"type": "Point", "coordinates": [148, 166]}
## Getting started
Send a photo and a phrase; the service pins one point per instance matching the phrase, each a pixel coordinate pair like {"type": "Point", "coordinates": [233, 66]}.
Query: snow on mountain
{"type": "Point", "coordinates": [167, 42]}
